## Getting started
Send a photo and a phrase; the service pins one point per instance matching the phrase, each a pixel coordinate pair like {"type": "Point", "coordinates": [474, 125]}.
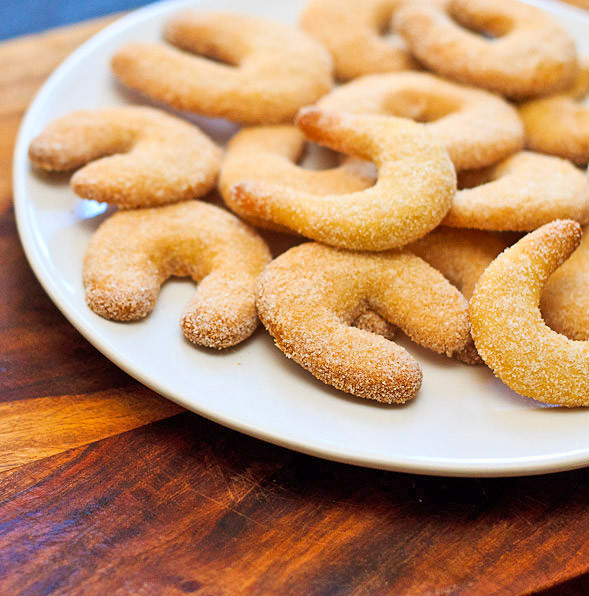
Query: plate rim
{"type": "Point", "coordinates": [458, 467]}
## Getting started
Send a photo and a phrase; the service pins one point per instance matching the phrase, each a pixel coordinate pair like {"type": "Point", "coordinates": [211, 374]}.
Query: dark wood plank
{"type": "Point", "coordinates": [68, 394]}
{"type": "Point", "coordinates": [42, 354]}
{"type": "Point", "coordinates": [184, 505]}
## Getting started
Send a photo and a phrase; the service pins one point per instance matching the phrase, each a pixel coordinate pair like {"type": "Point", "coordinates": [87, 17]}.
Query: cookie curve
{"type": "Point", "coordinates": [413, 192]}
{"type": "Point", "coordinates": [276, 67]}
{"type": "Point", "coordinates": [133, 252]}
{"type": "Point", "coordinates": [508, 329]}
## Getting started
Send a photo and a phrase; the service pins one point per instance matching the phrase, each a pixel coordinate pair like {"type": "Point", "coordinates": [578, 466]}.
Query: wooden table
{"type": "Point", "coordinates": [107, 488]}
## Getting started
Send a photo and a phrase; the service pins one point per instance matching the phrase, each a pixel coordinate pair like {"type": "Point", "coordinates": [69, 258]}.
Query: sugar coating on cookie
{"type": "Point", "coordinates": [460, 255]}
{"type": "Point", "coordinates": [508, 329]}
{"type": "Point", "coordinates": [565, 297]}
{"type": "Point", "coordinates": [268, 70]}
{"type": "Point", "coordinates": [352, 32]}
{"type": "Point", "coordinates": [529, 53]}
{"type": "Point", "coordinates": [477, 128]}
{"type": "Point", "coordinates": [369, 320]}
{"type": "Point", "coordinates": [133, 252]}
{"type": "Point", "coordinates": [414, 190]}
{"type": "Point", "coordinates": [269, 154]}
{"type": "Point", "coordinates": [559, 124]}
{"type": "Point", "coordinates": [136, 156]}
{"type": "Point", "coordinates": [310, 295]}
{"type": "Point", "coordinates": [521, 193]}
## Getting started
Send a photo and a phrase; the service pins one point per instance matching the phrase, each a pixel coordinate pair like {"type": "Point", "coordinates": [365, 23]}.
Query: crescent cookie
{"type": "Point", "coordinates": [133, 252]}
{"type": "Point", "coordinates": [309, 296]}
{"type": "Point", "coordinates": [521, 193]}
{"type": "Point", "coordinates": [460, 255]}
{"type": "Point", "coordinates": [414, 190]}
{"type": "Point", "coordinates": [559, 124]}
{"type": "Point", "coordinates": [270, 69]}
{"type": "Point", "coordinates": [269, 154]}
{"type": "Point", "coordinates": [352, 32]}
{"type": "Point", "coordinates": [140, 156]}
{"type": "Point", "coordinates": [476, 128]}
{"type": "Point", "coordinates": [508, 329]}
{"type": "Point", "coordinates": [565, 298]}
{"type": "Point", "coordinates": [529, 53]}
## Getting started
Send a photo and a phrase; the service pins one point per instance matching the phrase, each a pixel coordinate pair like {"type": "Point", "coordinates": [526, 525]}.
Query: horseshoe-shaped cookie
{"type": "Point", "coordinates": [310, 295]}
{"type": "Point", "coordinates": [508, 329]}
{"type": "Point", "coordinates": [352, 32]}
{"type": "Point", "coordinates": [270, 69]}
{"type": "Point", "coordinates": [476, 127]}
{"type": "Point", "coordinates": [414, 190]}
{"type": "Point", "coordinates": [269, 154]}
{"type": "Point", "coordinates": [521, 193]}
{"type": "Point", "coordinates": [133, 252]}
{"type": "Point", "coordinates": [529, 53]}
{"type": "Point", "coordinates": [140, 156]}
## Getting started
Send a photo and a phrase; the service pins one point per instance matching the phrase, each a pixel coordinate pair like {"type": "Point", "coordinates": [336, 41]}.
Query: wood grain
{"type": "Point", "coordinates": [184, 506]}
{"type": "Point", "coordinates": [32, 429]}
{"type": "Point", "coordinates": [41, 352]}
{"type": "Point", "coordinates": [42, 356]}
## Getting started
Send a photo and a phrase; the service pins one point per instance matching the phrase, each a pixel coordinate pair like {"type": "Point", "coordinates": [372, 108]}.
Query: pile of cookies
{"type": "Point", "coordinates": [452, 213]}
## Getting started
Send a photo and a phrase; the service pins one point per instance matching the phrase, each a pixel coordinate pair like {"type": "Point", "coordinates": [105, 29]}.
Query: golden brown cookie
{"type": "Point", "coordinates": [508, 329]}
{"type": "Point", "coordinates": [352, 32]}
{"type": "Point", "coordinates": [414, 190]}
{"type": "Point", "coordinates": [269, 154]}
{"type": "Point", "coordinates": [140, 156]}
{"type": "Point", "coordinates": [559, 124]}
{"type": "Point", "coordinates": [268, 70]}
{"type": "Point", "coordinates": [565, 298]}
{"type": "Point", "coordinates": [310, 295]}
{"type": "Point", "coordinates": [369, 320]}
{"type": "Point", "coordinates": [133, 252]}
{"type": "Point", "coordinates": [460, 255]}
{"type": "Point", "coordinates": [504, 46]}
{"type": "Point", "coordinates": [476, 128]}
{"type": "Point", "coordinates": [521, 193]}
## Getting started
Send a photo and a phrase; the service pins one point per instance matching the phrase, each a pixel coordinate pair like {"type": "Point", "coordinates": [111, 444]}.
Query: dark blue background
{"type": "Point", "coordinates": [18, 17]}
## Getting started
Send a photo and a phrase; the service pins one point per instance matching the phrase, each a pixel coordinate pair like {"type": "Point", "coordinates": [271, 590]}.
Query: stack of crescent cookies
{"type": "Point", "coordinates": [453, 211]}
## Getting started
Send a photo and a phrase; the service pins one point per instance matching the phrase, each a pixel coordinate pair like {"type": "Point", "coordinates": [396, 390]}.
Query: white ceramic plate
{"type": "Point", "coordinates": [463, 422]}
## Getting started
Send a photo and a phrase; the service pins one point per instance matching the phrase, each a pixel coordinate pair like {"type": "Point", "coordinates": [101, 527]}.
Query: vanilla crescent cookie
{"type": "Point", "coordinates": [559, 124]}
{"type": "Point", "coordinates": [309, 296]}
{"type": "Point", "coordinates": [414, 190]}
{"type": "Point", "coordinates": [521, 193]}
{"type": "Point", "coordinates": [133, 252]}
{"type": "Point", "coordinates": [270, 69]}
{"type": "Point", "coordinates": [352, 32]}
{"type": "Point", "coordinates": [140, 156]}
{"type": "Point", "coordinates": [528, 53]}
{"type": "Point", "coordinates": [565, 298]}
{"type": "Point", "coordinates": [477, 128]}
{"type": "Point", "coordinates": [460, 255]}
{"type": "Point", "coordinates": [269, 154]}
{"type": "Point", "coordinates": [508, 329]}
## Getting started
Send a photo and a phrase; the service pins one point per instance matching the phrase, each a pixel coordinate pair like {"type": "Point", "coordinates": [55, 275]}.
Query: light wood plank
{"type": "Point", "coordinates": [33, 429]}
